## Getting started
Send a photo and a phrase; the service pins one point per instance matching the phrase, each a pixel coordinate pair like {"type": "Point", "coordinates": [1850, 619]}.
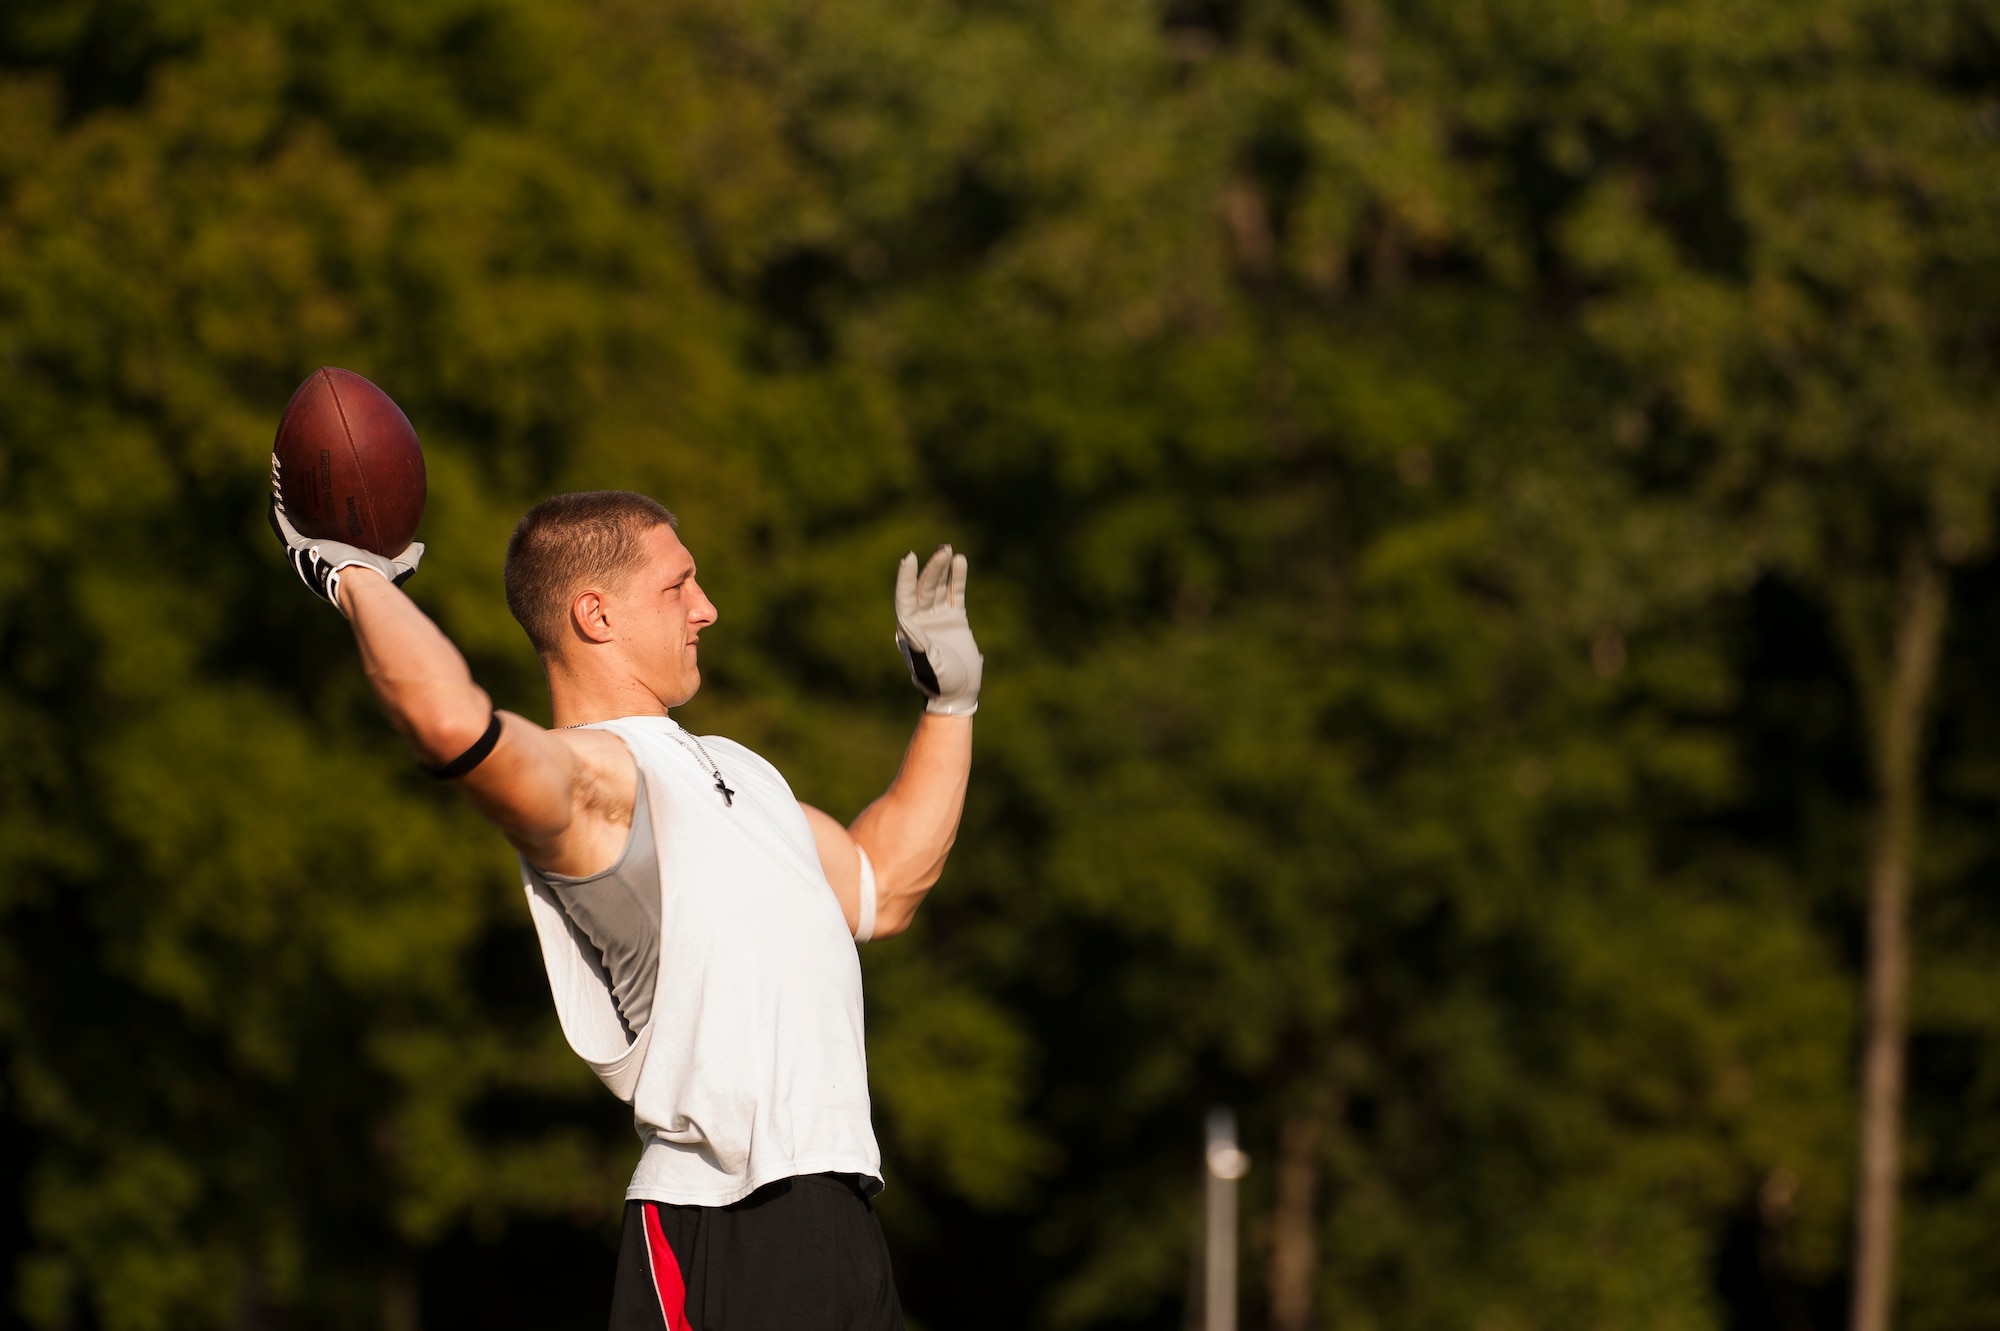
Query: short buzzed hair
{"type": "Point", "coordinates": [567, 542]}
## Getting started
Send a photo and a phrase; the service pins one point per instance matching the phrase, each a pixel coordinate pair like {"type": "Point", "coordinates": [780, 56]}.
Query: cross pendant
{"type": "Point", "coordinates": [728, 795]}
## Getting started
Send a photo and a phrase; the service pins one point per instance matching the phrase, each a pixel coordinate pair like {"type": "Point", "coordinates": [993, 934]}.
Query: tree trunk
{"type": "Point", "coordinates": [1295, 1220]}
{"type": "Point", "coordinates": [402, 1303]}
{"type": "Point", "coordinates": [1897, 702]}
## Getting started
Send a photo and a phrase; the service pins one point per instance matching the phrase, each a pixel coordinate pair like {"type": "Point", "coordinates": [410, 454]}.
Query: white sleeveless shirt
{"type": "Point", "coordinates": [752, 1066]}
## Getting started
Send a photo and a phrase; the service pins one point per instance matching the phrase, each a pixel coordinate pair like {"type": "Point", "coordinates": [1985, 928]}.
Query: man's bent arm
{"type": "Point", "coordinates": [908, 832]}
{"type": "Point", "coordinates": [533, 784]}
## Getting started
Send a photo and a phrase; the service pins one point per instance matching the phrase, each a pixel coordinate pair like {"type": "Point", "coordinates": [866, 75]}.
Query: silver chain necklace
{"type": "Point", "coordinates": [701, 751]}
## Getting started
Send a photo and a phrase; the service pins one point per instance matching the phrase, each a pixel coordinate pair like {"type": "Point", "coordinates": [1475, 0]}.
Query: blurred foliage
{"type": "Point", "coordinates": [1419, 464]}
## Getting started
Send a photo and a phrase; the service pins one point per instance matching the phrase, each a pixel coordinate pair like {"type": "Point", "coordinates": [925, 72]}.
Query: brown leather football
{"type": "Point", "coordinates": [349, 465]}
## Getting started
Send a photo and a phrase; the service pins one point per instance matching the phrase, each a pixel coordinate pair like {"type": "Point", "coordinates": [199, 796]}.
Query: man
{"type": "Point", "coordinates": [698, 923]}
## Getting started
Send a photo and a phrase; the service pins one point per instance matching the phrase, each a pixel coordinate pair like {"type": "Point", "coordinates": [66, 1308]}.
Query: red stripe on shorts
{"type": "Point", "coordinates": [667, 1282]}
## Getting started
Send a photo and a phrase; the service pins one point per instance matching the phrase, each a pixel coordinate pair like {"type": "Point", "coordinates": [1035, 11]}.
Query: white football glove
{"type": "Point", "coordinates": [934, 634]}
{"type": "Point", "coordinates": [318, 563]}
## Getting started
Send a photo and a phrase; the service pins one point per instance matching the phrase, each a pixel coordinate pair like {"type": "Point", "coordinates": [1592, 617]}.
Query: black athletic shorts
{"type": "Point", "coordinates": [801, 1254]}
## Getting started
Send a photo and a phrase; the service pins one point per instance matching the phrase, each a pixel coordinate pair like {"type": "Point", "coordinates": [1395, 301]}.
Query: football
{"type": "Point", "coordinates": [348, 465]}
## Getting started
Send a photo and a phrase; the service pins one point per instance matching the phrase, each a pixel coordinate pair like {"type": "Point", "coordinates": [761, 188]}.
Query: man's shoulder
{"type": "Point", "coordinates": [598, 749]}
{"type": "Point", "coordinates": [610, 771]}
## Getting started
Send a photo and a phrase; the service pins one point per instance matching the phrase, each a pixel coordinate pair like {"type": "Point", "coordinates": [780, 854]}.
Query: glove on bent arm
{"type": "Point", "coordinates": [934, 634]}
{"type": "Point", "coordinates": [319, 563]}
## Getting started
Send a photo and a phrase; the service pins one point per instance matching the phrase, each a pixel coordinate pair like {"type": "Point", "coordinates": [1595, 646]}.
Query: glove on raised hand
{"type": "Point", "coordinates": [319, 562]}
{"type": "Point", "coordinates": [934, 634]}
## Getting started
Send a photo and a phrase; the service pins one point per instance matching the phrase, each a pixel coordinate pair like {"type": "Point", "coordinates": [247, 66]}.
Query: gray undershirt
{"type": "Point", "coordinates": [619, 912]}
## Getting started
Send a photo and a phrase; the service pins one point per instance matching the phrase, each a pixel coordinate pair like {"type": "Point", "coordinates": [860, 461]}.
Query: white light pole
{"type": "Point", "coordinates": [1226, 1164]}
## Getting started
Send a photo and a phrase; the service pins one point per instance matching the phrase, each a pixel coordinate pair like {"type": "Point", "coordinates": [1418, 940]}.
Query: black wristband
{"type": "Point", "coordinates": [473, 756]}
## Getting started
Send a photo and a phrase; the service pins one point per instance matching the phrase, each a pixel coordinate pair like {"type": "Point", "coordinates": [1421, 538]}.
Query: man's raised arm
{"type": "Point", "coordinates": [904, 837]}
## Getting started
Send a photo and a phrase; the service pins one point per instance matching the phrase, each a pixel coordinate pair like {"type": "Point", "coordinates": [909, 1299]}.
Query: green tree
{"type": "Point", "coordinates": [1421, 465]}
{"type": "Point", "coordinates": [1806, 337]}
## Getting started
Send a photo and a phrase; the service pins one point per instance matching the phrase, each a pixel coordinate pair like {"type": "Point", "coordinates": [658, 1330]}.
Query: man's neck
{"type": "Point", "coordinates": [577, 700]}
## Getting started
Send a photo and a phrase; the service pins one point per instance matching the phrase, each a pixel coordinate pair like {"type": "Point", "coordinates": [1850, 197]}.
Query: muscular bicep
{"type": "Point", "coordinates": [841, 861]}
{"type": "Point", "coordinates": [563, 799]}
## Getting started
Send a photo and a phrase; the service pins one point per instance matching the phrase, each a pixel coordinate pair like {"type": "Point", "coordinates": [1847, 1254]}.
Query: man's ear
{"type": "Point", "coordinates": [590, 617]}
